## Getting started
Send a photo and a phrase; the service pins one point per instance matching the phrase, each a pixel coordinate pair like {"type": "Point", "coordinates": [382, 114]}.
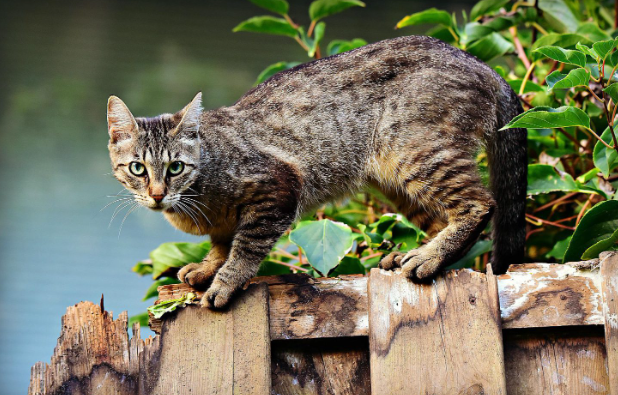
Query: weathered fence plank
{"type": "Point", "coordinates": [556, 361]}
{"type": "Point", "coordinates": [321, 366]}
{"type": "Point", "coordinates": [531, 296]}
{"type": "Point", "coordinates": [441, 338]}
{"type": "Point", "coordinates": [609, 274]}
{"type": "Point", "coordinates": [217, 352]}
{"type": "Point", "coordinates": [541, 295]}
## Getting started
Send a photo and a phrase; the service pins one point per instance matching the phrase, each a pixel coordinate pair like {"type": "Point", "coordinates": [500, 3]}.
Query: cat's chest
{"type": "Point", "coordinates": [199, 223]}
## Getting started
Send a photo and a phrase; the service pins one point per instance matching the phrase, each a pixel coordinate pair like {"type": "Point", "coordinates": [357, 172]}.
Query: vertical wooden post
{"type": "Point", "coordinates": [440, 338]}
{"type": "Point", "coordinates": [609, 276]}
{"type": "Point", "coordinates": [216, 352]}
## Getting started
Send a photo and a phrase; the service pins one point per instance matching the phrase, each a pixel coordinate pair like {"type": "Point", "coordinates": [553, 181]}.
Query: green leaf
{"type": "Point", "coordinates": [431, 15]}
{"type": "Point", "coordinates": [545, 179]}
{"type": "Point", "coordinates": [592, 31]}
{"type": "Point", "coordinates": [485, 7]}
{"type": "Point", "coordinates": [152, 290]}
{"type": "Point", "coordinates": [323, 8]}
{"type": "Point", "coordinates": [604, 158]}
{"type": "Point", "coordinates": [274, 69]}
{"type": "Point", "coordinates": [603, 48]}
{"type": "Point", "coordinates": [170, 305]}
{"type": "Point", "coordinates": [475, 31]}
{"type": "Point", "coordinates": [596, 230]}
{"type": "Point", "coordinates": [559, 249]}
{"type": "Point", "coordinates": [407, 236]}
{"type": "Point", "coordinates": [317, 37]}
{"type": "Point", "coordinates": [479, 248]}
{"type": "Point", "coordinates": [612, 91]}
{"type": "Point", "coordinates": [278, 6]}
{"type": "Point", "coordinates": [270, 268]}
{"type": "Point", "coordinates": [349, 265]}
{"type": "Point", "coordinates": [141, 318]}
{"type": "Point", "coordinates": [559, 40]}
{"type": "Point", "coordinates": [587, 50]}
{"type": "Point", "coordinates": [339, 46]}
{"type": "Point", "coordinates": [324, 242]}
{"type": "Point", "coordinates": [267, 24]}
{"type": "Point", "coordinates": [490, 47]}
{"type": "Point", "coordinates": [576, 77]}
{"type": "Point", "coordinates": [563, 55]}
{"type": "Point", "coordinates": [143, 267]}
{"type": "Point", "coordinates": [548, 117]}
{"type": "Point", "coordinates": [587, 176]}
{"type": "Point", "coordinates": [176, 255]}
{"type": "Point", "coordinates": [559, 15]}
{"type": "Point", "coordinates": [530, 86]}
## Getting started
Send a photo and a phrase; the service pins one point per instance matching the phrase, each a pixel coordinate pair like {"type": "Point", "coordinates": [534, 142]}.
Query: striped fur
{"type": "Point", "coordinates": [406, 115]}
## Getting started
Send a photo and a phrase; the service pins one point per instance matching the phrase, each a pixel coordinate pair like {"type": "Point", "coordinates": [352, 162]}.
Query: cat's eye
{"type": "Point", "coordinates": [137, 169]}
{"type": "Point", "coordinates": [175, 168]}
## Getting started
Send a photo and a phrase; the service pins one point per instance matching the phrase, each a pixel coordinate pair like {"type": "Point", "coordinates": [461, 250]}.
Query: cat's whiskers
{"type": "Point", "coordinates": [121, 206]}
{"type": "Point", "coordinates": [117, 200]}
{"type": "Point", "coordinates": [135, 206]}
{"type": "Point", "coordinates": [193, 203]}
{"type": "Point", "coordinates": [183, 208]}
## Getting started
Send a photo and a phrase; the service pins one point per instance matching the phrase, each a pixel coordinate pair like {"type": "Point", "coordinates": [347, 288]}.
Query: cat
{"type": "Point", "coordinates": [406, 115]}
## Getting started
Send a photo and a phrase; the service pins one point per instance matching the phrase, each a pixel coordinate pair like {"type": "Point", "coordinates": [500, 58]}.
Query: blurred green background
{"type": "Point", "coordinates": [59, 62]}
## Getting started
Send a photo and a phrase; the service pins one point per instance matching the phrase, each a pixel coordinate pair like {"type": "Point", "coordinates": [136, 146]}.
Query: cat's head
{"type": "Point", "coordinates": [156, 159]}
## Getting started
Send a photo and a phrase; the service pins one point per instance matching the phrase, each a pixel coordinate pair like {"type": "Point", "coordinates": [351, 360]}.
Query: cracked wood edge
{"type": "Point", "coordinates": [530, 296]}
{"type": "Point", "coordinates": [609, 274]}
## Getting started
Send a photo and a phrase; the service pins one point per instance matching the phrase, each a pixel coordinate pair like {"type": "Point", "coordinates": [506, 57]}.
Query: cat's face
{"type": "Point", "coordinates": [156, 159]}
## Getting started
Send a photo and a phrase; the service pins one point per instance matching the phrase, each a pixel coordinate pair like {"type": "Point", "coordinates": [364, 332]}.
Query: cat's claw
{"type": "Point", "coordinates": [195, 275]}
{"type": "Point", "coordinates": [420, 267]}
{"type": "Point", "coordinates": [218, 295]}
{"type": "Point", "coordinates": [391, 261]}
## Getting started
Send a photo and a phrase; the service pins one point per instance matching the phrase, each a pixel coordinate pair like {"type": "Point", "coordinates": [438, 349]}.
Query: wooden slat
{"type": "Point", "coordinates": [216, 352]}
{"type": "Point", "coordinates": [543, 295]}
{"type": "Point", "coordinates": [532, 295]}
{"type": "Point", "coordinates": [609, 273]}
{"type": "Point", "coordinates": [440, 338]}
{"type": "Point", "coordinates": [321, 366]}
{"type": "Point", "coordinates": [557, 361]}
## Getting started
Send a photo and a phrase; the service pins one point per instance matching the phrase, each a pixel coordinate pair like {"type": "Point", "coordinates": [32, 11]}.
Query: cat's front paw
{"type": "Point", "coordinates": [218, 295]}
{"type": "Point", "coordinates": [197, 275]}
{"type": "Point", "coordinates": [391, 261]}
{"type": "Point", "coordinates": [418, 265]}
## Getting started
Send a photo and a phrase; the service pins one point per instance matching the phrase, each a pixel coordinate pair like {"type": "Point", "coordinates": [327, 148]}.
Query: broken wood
{"type": "Point", "coordinates": [447, 333]}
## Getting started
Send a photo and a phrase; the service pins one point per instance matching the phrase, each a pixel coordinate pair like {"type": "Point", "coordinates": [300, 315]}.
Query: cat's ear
{"type": "Point", "coordinates": [189, 117]}
{"type": "Point", "coordinates": [120, 122]}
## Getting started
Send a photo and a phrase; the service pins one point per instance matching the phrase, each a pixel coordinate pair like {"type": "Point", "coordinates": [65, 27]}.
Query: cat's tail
{"type": "Point", "coordinates": [508, 172]}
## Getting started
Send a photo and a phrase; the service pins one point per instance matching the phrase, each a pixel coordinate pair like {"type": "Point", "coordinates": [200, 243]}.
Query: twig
{"type": "Point", "coordinates": [302, 269]}
{"type": "Point", "coordinates": [311, 27]}
{"type": "Point", "coordinates": [285, 253]}
{"type": "Point", "coordinates": [553, 202]}
{"type": "Point", "coordinates": [583, 210]}
{"type": "Point", "coordinates": [290, 21]}
{"type": "Point", "coordinates": [521, 54]}
{"type": "Point", "coordinates": [374, 255]}
{"type": "Point", "coordinates": [526, 78]}
{"type": "Point", "coordinates": [539, 220]}
{"type": "Point", "coordinates": [599, 138]}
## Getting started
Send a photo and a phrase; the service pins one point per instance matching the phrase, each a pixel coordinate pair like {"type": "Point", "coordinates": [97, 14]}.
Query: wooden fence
{"type": "Point", "coordinates": [539, 329]}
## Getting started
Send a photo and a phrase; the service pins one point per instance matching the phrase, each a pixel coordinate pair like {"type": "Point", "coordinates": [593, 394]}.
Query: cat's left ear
{"type": "Point", "coordinates": [189, 117]}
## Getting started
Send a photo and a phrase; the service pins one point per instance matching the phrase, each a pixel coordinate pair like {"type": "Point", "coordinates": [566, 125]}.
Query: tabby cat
{"type": "Point", "coordinates": [406, 115]}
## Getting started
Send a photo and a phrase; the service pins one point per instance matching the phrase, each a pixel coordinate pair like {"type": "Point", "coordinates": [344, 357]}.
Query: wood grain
{"type": "Point", "coordinates": [440, 338]}
{"type": "Point", "coordinates": [609, 273]}
{"type": "Point", "coordinates": [216, 352]}
{"type": "Point", "coordinates": [544, 295]}
{"type": "Point", "coordinates": [557, 361]}
{"type": "Point", "coordinates": [93, 355]}
{"type": "Point", "coordinates": [321, 366]}
{"type": "Point", "coordinates": [530, 296]}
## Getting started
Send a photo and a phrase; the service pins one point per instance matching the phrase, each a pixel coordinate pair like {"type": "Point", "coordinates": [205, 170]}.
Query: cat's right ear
{"type": "Point", "coordinates": [120, 122]}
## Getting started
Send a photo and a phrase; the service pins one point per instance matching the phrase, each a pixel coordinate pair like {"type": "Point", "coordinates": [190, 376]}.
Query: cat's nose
{"type": "Point", "coordinates": [157, 198]}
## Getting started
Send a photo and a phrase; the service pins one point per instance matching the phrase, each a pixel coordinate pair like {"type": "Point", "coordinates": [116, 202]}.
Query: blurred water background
{"type": "Point", "coordinates": [59, 62]}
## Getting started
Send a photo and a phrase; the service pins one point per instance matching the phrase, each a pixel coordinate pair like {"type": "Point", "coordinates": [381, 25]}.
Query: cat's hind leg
{"type": "Point", "coordinates": [449, 187]}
